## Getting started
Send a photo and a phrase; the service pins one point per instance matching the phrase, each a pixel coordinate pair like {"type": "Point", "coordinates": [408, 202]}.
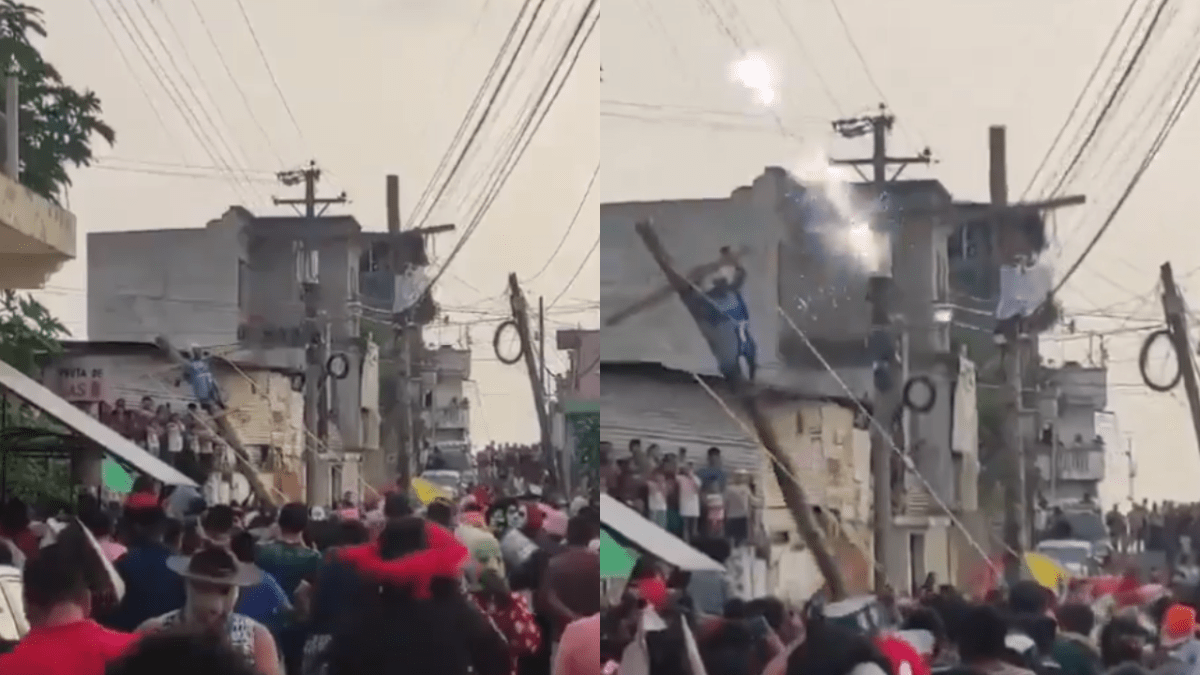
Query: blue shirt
{"type": "Point", "coordinates": [151, 589]}
{"type": "Point", "coordinates": [266, 603]}
{"type": "Point", "coordinates": [201, 378]}
{"type": "Point", "coordinates": [709, 475]}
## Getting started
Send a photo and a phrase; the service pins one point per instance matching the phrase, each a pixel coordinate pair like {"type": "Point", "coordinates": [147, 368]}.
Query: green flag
{"type": "Point", "coordinates": [616, 562]}
{"type": "Point", "coordinates": [116, 478]}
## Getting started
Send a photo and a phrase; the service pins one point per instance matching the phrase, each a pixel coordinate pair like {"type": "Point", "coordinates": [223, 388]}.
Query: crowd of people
{"type": "Point", "coordinates": [1144, 526]}
{"type": "Point", "coordinates": [1025, 630]}
{"type": "Point", "coordinates": [691, 502]}
{"type": "Point", "coordinates": [486, 586]}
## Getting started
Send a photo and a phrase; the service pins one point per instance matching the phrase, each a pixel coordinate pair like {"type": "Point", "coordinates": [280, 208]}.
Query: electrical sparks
{"type": "Point", "coordinates": [753, 73]}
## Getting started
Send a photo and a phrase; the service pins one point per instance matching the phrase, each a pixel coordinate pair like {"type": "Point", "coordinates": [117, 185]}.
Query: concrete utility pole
{"type": "Point", "coordinates": [885, 334]}
{"type": "Point", "coordinates": [520, 314]}
{"type": "Point", "coordinates": [793, 493]}
{"type": "Point", "coordinates": [543, 373]}
{"type": "Point", "coordinates": [1175, 311]}
{"type": "Point", "coordinates": [1017, 348]}
{"type": "Point", "coordinates": [226, 431]}
{"type": "Point", "coordinates": [316, 400]}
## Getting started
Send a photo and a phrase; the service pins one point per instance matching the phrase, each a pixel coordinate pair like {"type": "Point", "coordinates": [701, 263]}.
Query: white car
{"type": "Point", "coordinates": [1075, 555]}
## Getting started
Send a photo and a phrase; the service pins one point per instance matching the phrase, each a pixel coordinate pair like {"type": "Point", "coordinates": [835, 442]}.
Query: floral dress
{"type": "Point", "coordinates": [515, 622]}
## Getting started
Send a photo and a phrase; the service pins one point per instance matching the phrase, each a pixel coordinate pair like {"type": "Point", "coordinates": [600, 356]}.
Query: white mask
{"type": "Point", "coordinates": [206, 608]}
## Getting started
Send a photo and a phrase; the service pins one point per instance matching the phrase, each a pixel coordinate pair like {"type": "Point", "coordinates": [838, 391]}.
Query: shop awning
{"type": "Point", "coordinates": [653, 539]}
{"type": "Point", "coordinates": [81, 423]}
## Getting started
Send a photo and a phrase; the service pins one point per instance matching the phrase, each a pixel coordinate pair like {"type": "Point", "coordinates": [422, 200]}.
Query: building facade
{"type": "Point", "coordinates": [447, 406]}
{"type": "Point", "coordinates": [1070, 453]}
{"type": "Point", "coordinates": [807, 276]}
{"type": "Point", "coordinates": [237, 285]}
{"type": "Point", "coordinates": [120, 382]}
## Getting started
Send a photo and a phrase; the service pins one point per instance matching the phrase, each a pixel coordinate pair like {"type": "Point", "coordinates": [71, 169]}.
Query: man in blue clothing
{"type": "Point", "coordinates": [713, 474]}
{"type": "Point", "coordinates": [151, 589]}
{"type": "Point", "coordinates": [266, 602]}
{"type": "Point", "coordinates": [199, 374]}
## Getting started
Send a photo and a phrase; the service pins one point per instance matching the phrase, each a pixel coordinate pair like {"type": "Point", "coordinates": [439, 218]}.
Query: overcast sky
{"type": "Point", "coordinates": [674, 125]}
{"type": "Point", "coordinates": [375, 88]}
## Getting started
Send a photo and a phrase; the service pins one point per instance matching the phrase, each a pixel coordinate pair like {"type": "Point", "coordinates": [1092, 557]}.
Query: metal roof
{"type": "Point", "coordinates": [652, 538]}
{"type": "Point", "coordinates": [113, 443]}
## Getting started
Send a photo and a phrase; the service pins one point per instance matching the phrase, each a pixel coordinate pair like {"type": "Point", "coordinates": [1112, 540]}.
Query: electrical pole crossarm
{"type": "Point", "coordinates": [340, 199]}
{"type": "Point", "coordinates": [870, 161]}
{"type": "Point", "coordinates": [793, 493]}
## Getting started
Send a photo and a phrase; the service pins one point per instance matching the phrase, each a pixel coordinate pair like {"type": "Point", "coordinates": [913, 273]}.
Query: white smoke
{"type": "Point", "coordinates": [856, 232]}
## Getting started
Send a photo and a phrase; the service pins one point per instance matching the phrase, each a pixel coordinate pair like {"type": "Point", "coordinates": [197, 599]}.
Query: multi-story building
{"type": "Point", "coordinates": [1070, 453]}
{"type": "Point", "coordinates": [236, 286]}
{"type": "Point", "coordinates": [807, 275]}
{"type": "Point", "coordinates": [446, 410]}
{"type": "Point", "coordinates": [576, 406]}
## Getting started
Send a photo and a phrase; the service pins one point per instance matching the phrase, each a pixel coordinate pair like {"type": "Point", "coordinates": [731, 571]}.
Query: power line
{"type": "Point", "coordinates": [262, 55]}
{"type": "Point", "coordinates": [1109, 104]}
{"type": "Point", "coordinates": [1181, 103]}
{"type": "Point", "coordinates": [233, 78]}
{"type": "Point", "coordinates": [857, 52]}
{"type": "Point", "coordinates": [575, 276]}
{"type": "Point", "coordinates": [1112, 41]}
{"type": "Point", "coordinates": [571, 226]}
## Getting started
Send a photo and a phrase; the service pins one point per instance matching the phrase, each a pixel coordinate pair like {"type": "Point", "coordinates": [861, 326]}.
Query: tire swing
{"type": "Point", "coordinates": [507, 359]}
{"type": "Point", "coordinates": [1144, 358]}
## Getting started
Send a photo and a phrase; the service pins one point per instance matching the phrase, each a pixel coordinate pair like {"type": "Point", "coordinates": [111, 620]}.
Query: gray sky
{"type": "Point", "coordinates": [948, 69]}
{"type": "Point", "coordinates": [376, 87]}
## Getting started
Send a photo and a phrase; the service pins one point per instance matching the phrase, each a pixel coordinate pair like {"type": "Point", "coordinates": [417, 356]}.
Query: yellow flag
{"type": "Point", "coordinates": [427, 492]}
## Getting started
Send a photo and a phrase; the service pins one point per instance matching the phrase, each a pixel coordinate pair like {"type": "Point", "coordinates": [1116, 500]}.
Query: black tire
{"type": "Point", "coordinates": [338, 366]}
{"type": "Point", "coordinates": [1144, 357]}
{"type": "Point", "coordinates": [496, 343]}
{"type": "Point", "coordinates": [908, 397]}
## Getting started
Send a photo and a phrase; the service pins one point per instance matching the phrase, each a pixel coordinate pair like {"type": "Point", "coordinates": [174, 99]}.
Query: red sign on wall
{"type": "Point", "coordinates": [82, 384]}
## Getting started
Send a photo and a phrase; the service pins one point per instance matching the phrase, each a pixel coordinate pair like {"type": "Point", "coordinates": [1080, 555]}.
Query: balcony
{"type": "Point", "coordinates": [1086, 463]}
{"type": "Point", "coordinates": [36, 237]}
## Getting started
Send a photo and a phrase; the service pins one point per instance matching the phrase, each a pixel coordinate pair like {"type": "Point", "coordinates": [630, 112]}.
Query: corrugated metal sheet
{"type": "Point", "coordinates": [673, 415]}
{"type": "Point", "coordinates": [249, 403]}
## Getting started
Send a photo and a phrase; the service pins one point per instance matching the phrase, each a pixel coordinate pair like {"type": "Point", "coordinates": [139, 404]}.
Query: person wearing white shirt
{"type": "Point", "coordinates": [689, 501]}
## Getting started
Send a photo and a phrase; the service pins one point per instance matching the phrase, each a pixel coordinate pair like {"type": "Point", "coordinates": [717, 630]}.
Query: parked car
{"type": "Point", "coordinates": [1075, 555]}
{"type": "Point", "coordinates": [13, 622]}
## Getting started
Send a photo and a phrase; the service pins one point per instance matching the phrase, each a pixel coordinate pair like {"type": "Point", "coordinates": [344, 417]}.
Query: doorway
{"type": "Point", "coordinates": [916, 561]}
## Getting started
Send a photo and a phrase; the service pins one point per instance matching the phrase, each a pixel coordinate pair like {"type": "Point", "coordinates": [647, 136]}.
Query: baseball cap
{"type": "Point", "coordinates": [1178, 626]}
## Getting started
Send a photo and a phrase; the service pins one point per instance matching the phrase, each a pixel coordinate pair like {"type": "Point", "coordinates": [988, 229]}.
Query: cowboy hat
{"type": "Point", "coordinates": [214, 566]}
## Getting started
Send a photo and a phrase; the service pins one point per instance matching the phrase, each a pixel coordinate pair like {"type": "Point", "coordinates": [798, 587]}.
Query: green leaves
{"type": "Point", "coordinates": [58, 122]}
{"type": "Point", "coordinates": [29, 334]}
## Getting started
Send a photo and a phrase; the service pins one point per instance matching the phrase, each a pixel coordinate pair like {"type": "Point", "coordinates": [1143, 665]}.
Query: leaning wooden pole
{"type": "Point", "coordinates": [226, 432]}
{"type": "Point", "coordinates": [793, 494]}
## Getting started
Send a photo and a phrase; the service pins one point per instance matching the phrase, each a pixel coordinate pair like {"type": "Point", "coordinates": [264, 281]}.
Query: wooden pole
{"type": "Point", "coordinates": [520, 314]}
{"type": "Point", "coordinates": [781, 464]}
{"type": "Point", "coordinates": [226, 431]}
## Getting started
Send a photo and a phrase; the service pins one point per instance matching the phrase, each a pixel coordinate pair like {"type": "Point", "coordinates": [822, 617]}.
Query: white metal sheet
{"type": "Point", "coordinates": [653, 539]}
{"type": "Point", "coordinates": [79, 421]}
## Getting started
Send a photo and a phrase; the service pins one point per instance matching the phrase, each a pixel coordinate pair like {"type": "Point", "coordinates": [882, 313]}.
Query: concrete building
{"type": "Point", "coordinates": [236, 284]}
{"type": "Point", "coordinates": [266, 412]}
{"type": "Point", "coordinates": [802, 269]}
{"type": "Point", "coordinates": [575, 409]}
{"type": "Point", "coordinates": [36, 237]}
{"type": "Point", "coordinates": [1070, 454]}
{"type": "Point", "coordinates": [446, 412]}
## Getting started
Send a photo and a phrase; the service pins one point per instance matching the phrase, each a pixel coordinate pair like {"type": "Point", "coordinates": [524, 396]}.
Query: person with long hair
{"type": "Point", "coordinates": [410, 614]}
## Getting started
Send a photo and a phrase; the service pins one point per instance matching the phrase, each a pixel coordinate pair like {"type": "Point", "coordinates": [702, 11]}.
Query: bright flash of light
{"type": "Point", "coordinates": [861, 238]}
{"type": "Point", "coordinates": [753, 73]}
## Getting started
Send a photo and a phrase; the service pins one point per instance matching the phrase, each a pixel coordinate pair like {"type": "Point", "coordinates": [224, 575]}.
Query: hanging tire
{"type": "Point", "coordinates": [298, 381]}
{"type": "Point", "coordinates": [918, 406]}
{"type": "Point", "coordinates": [1144, 357]}
{"type": "Point", "coordinates": [506, 359]}
{"type": "Point", "coordinates": [338, 366]}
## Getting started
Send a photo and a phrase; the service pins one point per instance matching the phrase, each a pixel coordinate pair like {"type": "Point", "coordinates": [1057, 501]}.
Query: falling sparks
{"type": "Point", "coordinates": [754, 74]}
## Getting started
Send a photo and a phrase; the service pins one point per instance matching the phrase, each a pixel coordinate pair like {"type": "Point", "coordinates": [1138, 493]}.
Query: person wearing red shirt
{"type": "Point", "coordinates": [903, 656]}
{"type": "Point", "coordinates": [63, 640]}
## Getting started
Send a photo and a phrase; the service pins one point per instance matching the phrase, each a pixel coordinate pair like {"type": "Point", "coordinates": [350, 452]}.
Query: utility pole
{"type": "Point", "coordinates": [316, 408]}
{"type": "Point", "coordinates": [520, 313]}
{"type": "Point", "coordinates": [1016, 347]}
{"type": "Point", "coordinates": [888, 361]}
{"type": "Point", "coordinates": [1175, 311]}
{"type": "Point", "coordinates": [542, 373]}
{"type": "Point", "coordinates": [793, 493]}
